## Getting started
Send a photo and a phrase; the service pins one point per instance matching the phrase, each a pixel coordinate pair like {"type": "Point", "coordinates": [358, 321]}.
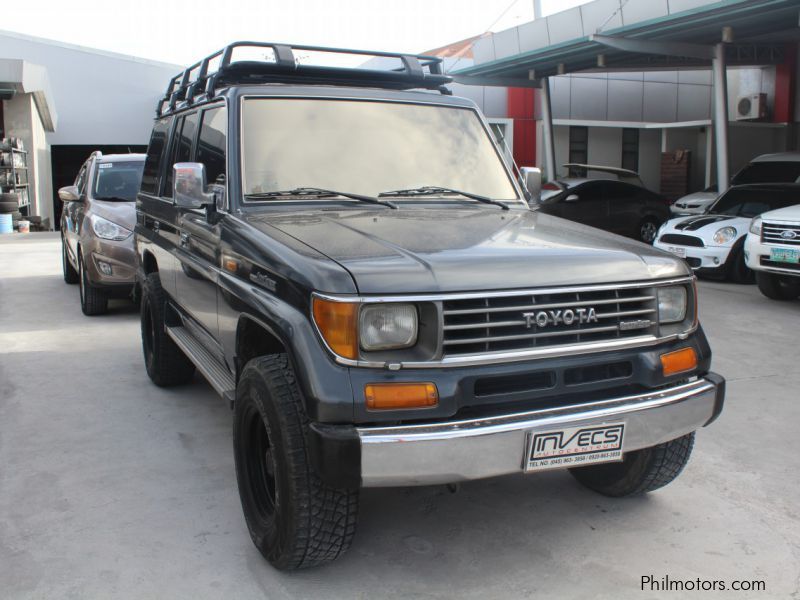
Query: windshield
{"type": "Point", "coordinates": [752, 202]}
{"type": "Point", "coordinates": [367, 148]}
{"type": "Point", "coordinates": [768, 172]}
{"type": "Point", "coordinates": [118, 181]}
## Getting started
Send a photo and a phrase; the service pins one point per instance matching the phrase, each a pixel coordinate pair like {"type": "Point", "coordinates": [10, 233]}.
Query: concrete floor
{"type": "Point", "coordinates": [113, 488]}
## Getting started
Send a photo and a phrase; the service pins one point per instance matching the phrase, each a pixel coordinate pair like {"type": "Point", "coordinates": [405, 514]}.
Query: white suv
{"type": "Point", "coordinates": [772, 250]}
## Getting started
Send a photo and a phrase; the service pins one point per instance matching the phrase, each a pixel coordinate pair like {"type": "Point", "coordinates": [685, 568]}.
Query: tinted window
{"type": "Point", "coordinates": [181, 150]}
{"type": "Point", "coordinates": [117, 181]}
{"type": "Point", "coordinates": [578, 149]}
{"type": "Point", "coordinates": [211, 144]}
{"type": "Point", "coordinates": [752, 202]}
{"type": "Point", "coordinates": [630, 149]}
{"type": "Point", "coordinates": [155, 155]}
{"type": "Point", "coordinates": [768, 172]}
{"type": "Point", "coordinates": [621, 191]}
{"type": "Point", "coordinates": [587, 191]}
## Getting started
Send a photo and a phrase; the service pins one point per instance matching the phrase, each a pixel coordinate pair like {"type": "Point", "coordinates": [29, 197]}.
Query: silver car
{"type": "Point", "coordinates": [96, 228]}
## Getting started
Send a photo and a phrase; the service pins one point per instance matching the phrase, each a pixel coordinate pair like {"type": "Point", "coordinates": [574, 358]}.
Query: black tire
{"type": "Point", "coordinates": [640, 471]}
{"type": "Point", "coordinates": [7, 207]}
{"type": "Point", "coordinates": [777, 287]}
{"type": "Point", "coordinates": [166, 364]}
{"type": "Point", "coordinates": [648, 230]}
{"type": "Point", "coordinates": [94, 300]}
{"type": "Point", "coordinates": [70, 274]}
{"type": "Point", "coordinates": [295, 519]}
{"type": "Point", "coordinates": [736, 268]}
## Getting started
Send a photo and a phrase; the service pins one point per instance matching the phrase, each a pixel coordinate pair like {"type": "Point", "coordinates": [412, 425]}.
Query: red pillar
{"type": "Point", "coordinates": [785, 82]}
{"type": "Point", "coordinates": [520, 108]}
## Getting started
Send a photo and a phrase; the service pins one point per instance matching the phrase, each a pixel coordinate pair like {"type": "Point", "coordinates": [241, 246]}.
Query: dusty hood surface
{"type": "Point", "coordinates": [431, 249]}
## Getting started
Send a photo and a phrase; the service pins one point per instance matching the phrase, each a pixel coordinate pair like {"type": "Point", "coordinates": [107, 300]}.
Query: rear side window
{"type": "Point", "coordinates": [181, 150]}
{"type": "Point", "coordinates": [211, 144]}
{"type": "Point", "coordinates": [155, 156]}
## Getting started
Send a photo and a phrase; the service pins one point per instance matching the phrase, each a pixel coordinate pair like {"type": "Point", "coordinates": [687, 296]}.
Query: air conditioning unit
{"type": "Point", "coordinates": [751, 107]}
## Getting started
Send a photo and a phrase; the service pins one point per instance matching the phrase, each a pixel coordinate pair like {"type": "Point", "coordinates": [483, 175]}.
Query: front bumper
{"type": "Point", "coordinates": [707, 258]}
{"type": "Point", "coordinates": [112, 264]}
{"type": "Point", "coordinates": [754, 251]}
{"type": "Point", "coordinates": [463, 450]}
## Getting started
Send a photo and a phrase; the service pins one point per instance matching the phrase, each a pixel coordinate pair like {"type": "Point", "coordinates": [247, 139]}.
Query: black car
{"type": "Point", "coordinates": [347, 259]}
{"type": "Point", "coordinates": [616, 206]}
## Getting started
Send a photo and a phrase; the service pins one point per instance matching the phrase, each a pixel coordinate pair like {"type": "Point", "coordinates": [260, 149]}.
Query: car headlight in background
{"type": "Point", "coordinates": [103, 228]}
{"type": "Point", "coordinates": [755, 226]}
{"type": "Point", "coordinates": [387, 326]}
{"type": "Point", "coordinates": [671, 304]}
{"type": "Point", "coordinates": [725, 235]}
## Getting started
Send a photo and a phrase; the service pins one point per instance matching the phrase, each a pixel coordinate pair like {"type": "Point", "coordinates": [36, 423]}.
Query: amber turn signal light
{"type": "Point", "coordinates": [395, 396]}
{"type": "Point", "coordinates": [336, 322]}
{"type": "Point", "coordinates": [678, 361]}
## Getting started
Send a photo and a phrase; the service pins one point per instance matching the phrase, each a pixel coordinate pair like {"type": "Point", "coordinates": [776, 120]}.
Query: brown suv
{"type": "Point", "coordinates": [96, 228]}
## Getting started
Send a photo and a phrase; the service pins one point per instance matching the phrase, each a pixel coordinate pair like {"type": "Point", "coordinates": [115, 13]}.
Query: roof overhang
{"type": "Point", "coordinates": [626, 41]}
{"type": "Point", "coordinates": [28, 78]}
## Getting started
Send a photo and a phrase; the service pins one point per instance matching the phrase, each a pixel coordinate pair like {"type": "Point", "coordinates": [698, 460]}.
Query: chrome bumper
{"type": "Point", "coordinates": [448, 452]}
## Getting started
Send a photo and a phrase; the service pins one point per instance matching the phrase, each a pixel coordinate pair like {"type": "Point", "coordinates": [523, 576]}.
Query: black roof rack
{"type": "Point", "coordinates": [200, 81]}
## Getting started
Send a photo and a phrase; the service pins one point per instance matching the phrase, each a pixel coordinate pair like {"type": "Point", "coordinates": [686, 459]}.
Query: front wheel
{"type": "Point", "coordinates": [94, 301]}
{"type": "Point", "coordinates": [70, 274]}
{"type": "Point", "coordinates": [736, 268]}
{"type": "Point", "coordinates": [640, 471]}
{"type": "Point", "coordinates": [648, 229]}
{"type": "Point", "coordinates": [778, 287]}
{"type": "Point", "coordinates": [295, 519]}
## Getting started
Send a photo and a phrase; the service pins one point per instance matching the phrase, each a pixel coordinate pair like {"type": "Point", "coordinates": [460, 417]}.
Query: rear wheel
{"type": "Point", "coordinates": [94, 300]}
{"type": "Point", "coordinates": [640, 471]}
{"type": "Point", "coordinates": [166, 364]}
{"type": "Point", "coordinates": [778, 287]}
{"type": "Point", "coordinates": [648, 229]}
{"type": "Point", "coordinates": [295, 519]}
{"type": "Point", "coordinates": [70, 274]}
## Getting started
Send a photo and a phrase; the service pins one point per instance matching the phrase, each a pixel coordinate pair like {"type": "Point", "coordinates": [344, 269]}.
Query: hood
{"type": "Point", "coordinates": [705, 226]}
{"type": "Point", "coordinates": [121, 213]}
{"type": "Point", "coordinates": [698, 222]}
{"type": "Point", "coordinates": [426, 250]}
{"type": "Point", "coordinates": [790, 213]}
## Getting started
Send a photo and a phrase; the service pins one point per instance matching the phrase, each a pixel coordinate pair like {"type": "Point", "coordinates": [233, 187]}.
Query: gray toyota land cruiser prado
{"type": "Point", "coordinates": [346, 257]}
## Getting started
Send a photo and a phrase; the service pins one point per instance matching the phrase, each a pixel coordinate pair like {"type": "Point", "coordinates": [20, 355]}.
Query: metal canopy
{"type": "Point", "coordinates": [761, 28]}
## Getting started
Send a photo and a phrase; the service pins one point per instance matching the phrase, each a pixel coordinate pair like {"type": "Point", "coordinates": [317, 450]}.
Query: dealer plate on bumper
{"type": "Point", "coordinates": [574, 447]}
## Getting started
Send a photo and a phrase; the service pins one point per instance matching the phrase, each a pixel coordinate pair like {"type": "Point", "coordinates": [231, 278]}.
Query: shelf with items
{"type": "Point", "coordinates": [14, 171]}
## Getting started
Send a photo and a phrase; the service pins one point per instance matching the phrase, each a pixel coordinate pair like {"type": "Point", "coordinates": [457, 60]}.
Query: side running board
{"type": "Point", "coordinates": [215, 372]}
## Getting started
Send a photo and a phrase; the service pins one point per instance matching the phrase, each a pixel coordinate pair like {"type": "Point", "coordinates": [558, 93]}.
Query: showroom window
{"type": "Point", "coordinates": [578, 149]}
{"type": "Point", "coordinates": [630, 149]}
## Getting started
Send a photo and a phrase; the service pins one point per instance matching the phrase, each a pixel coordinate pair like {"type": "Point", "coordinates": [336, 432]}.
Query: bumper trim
{"type": "Point", "coordinates": [452, 451]}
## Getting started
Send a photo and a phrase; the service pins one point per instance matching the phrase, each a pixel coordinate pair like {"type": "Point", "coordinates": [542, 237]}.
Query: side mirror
{"type": "Point", "coordinates": [189, 186]}
{"type": "Point", "coordinates": [572, 198]}
{"type": "Point", "coordinates": [69, 193]}
{"type": "Point", "coordinates": [532, 178]}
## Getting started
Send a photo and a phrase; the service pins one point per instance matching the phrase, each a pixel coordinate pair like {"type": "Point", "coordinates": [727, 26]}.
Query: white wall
{"type": "Point", "coordinates": [100, 97]}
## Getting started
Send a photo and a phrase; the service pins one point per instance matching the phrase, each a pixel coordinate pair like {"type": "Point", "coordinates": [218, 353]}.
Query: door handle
{"type": "Point", "coordinates": [184, 238]}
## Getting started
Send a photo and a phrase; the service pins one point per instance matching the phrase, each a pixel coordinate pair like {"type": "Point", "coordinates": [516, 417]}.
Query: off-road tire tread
{"type": "Point", "coordinates": [651, 469]}
{"type": "Point", "coordinates": [170, 366]}
{"type": "Point", "coordinates": [324, 517]}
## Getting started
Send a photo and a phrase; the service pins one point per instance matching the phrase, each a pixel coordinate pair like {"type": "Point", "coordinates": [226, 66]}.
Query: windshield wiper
{"type": "Point", "coordinates": [320, 193]}
{"type": "Point", "coordinates": [433, 189]}
{"type": "Point", "coordinates": [114, 199]}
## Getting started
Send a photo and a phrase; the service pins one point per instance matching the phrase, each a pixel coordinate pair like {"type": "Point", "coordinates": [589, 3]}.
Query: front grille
{"type": "Point", "coordinates": [499, 323]}
{"type": "Point", "coordinates": [765, 262]}
{"type": "Point", "coordinates": [772, 233]}
{"type": "Point", "coordinates": [683, 240]}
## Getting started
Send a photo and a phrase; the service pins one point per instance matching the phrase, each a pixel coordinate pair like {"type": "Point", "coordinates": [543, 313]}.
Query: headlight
{"type": "Point", "coordinates": [387, 326]}
{"type": "Point", "coordinates": [755, 226]}
{"type": "Point", "coordinates": [725, 235]}
{"type": "Point", "coordinates": [671, 304]}
{"type": "Point", "coordinates": [103, 228]}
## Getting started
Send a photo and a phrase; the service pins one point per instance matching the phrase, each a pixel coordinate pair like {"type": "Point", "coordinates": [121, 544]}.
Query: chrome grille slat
{"type": "Point", "coordinates": [473, 326]}
{"type": "Point", "coordinates": [544, 306]}
{"type": "Point", "coordinates": [771, 234]}
{"type": "Point", "coordinates": [531, 336]}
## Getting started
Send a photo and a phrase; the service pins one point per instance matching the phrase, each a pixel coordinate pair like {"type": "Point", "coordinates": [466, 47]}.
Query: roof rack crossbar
{"type": "Point", "coordinates": [199, 78]}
